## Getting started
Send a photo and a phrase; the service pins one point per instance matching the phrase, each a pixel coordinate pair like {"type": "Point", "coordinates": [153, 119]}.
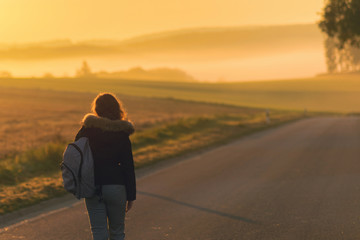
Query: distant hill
{"type": "Point", "coordinates": [202, 42]}
{"type": "Point", "coordinates": [244, 39]}
{"type": "Point", "coordinates": [157, 74]}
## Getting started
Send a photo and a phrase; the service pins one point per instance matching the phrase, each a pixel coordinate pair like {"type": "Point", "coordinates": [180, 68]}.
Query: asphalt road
{"type": "Point", "coordinates": [299, 181]}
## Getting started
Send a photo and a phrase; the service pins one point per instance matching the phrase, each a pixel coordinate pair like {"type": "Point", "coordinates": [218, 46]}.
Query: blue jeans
{"type": "Point", "coordinates": [108, 216]}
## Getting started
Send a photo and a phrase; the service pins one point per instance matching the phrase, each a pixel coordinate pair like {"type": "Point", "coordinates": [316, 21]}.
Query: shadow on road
{"type": "Point", "coordinates": [199, 208]}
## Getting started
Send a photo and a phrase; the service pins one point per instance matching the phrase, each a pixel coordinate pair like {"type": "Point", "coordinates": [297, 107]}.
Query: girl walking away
{"type": "Point", "coordinates": [108, 132]}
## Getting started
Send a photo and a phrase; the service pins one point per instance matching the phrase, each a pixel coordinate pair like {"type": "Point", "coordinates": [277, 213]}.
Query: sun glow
{"type": "Point", "coordinates": [38, 20]}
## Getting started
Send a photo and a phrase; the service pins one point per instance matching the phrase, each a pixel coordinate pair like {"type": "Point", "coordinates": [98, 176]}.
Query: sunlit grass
{"type": "Point", "coordinates": [32, 118]}
{"type": "Point", "coordinates": [38, 161]}
{"type": "Point", "coordinates": [34, 190]}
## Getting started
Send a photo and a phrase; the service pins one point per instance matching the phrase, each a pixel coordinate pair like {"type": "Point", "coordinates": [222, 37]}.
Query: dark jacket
{"type": "Point", "coordinates": [111, 148]}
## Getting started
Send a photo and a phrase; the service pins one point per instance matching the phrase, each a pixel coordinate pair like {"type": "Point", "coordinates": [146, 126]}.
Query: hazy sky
{"type": "Point", "coordinates": [37, 20]}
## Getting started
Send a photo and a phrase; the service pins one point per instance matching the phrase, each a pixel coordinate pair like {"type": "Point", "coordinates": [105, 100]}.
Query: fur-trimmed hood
{"type": "Point", "coordinates": [91, 120]}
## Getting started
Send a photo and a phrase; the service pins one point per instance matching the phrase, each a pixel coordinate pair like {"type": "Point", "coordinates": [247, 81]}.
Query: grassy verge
{"type": "Point", "coordinates": [34, 176]}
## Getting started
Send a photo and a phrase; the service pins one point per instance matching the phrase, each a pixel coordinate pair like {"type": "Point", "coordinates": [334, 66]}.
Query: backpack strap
{"type": "Point", "coordinates": [81, 161]}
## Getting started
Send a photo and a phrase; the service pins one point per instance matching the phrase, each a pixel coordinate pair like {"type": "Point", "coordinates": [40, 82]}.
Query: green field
{"type": "Point", "coordinates": [337, 93]}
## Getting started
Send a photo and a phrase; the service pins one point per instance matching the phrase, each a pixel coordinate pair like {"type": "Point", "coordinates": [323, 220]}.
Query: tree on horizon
{"type": "Point", "coordinates": [341, 20]}
{"type": "Point", "coordinates": [84, 71]}
{"type": "Point", "coordinates": [341, 23]}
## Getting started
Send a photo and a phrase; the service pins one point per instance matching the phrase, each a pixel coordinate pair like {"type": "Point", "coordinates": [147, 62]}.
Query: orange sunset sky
{"type": "Point", "coordinates": [38, 20]}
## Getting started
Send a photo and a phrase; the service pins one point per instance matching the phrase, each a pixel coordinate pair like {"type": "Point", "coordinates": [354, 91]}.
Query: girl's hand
{"type": "Point", "coordinates": [129, 205]}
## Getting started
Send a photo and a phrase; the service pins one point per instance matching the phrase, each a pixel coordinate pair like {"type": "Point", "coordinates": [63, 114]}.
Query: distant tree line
{"type": "Point", "coordinates": [5, 74]}
{"type": "Point", "coordinates": [157, 74]}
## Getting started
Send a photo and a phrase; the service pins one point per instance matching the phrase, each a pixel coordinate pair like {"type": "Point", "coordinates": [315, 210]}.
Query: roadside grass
{"type": "Point", "coordinates": [31, 163]}
{"type": "Point", "coordinates": [33, 176]}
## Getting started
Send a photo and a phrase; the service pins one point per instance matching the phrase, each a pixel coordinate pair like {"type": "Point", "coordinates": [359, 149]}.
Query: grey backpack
{"type": "Point", "coordinates": [78, 169]}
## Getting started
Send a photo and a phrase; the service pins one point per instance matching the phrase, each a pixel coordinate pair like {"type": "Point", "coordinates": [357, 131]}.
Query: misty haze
{"type": "Point", "coordinates": [206, 54]}
{"type": "Point", "coordinates": [181, 120]}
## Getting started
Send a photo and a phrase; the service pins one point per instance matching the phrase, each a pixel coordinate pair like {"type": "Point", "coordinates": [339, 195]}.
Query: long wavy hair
{"type": "Point", "coordinates": [107, 105]}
